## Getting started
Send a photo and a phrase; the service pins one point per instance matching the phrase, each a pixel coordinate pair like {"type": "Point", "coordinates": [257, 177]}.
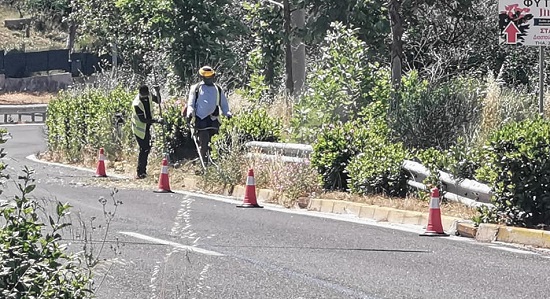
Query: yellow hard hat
{"type": "Point", "coordinates": [207, 72]}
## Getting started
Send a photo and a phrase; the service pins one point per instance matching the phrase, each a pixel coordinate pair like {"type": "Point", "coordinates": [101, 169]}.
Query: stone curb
{"type": "Point", "coordinates": [518, 235]}
{"type": "Point", "coordinates": [466, 229]}
{"type": "Point", "coordinates": [377, 213]}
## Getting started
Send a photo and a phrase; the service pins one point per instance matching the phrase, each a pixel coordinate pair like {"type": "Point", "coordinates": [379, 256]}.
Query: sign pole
{"type": "Point", "coordinates": [541, 81]}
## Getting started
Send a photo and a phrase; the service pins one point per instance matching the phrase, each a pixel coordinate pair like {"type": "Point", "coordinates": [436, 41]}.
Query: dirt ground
{"type": "Point", "coordinates": [25, 98]}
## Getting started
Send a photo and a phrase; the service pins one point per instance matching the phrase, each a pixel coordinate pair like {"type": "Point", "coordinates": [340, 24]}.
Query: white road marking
{"type": "Point", "coordinates": [514, 250]}
{"type": "Point", "coordinates": [35, 159]}
{"type": "Point", "coordinates": [173, 244]}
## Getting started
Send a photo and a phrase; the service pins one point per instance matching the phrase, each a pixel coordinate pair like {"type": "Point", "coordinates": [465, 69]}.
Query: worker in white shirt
{"type": "Point", "coordinates": [205, 104]}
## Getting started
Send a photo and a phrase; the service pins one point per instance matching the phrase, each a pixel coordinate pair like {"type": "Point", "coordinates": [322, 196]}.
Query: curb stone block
{"type": "Point", "coordinates": [448, 222]}
{"type": "Point", "coordinates": [315, 204]}
{"type": "Point", "coordinates": [414, 218]}
{"type": "Point", "coordinates": [340, 207]}
{"type": "Point", "coordinates": [546, 239]}
{"type": "Point", "coordinates": [396, 216]}
{"type": "Point", "coordinates": [238, 191]}
{"type": "Point", "coordinates": [533, 237]}
{"type": "Point", "coordinates": [381, 214]}
{"type": "Point", "coordinates": [267, 195]}
{"type": "Point", "coordinates": [367, 212]}
{"type": "Point", "coordinates": [467, 230]}
{"type": "Point", "coordinates": [487, 232]}
{"type": "Point", "coordinates": [327, 206]}
{"type": "Point", "coordinates": [354, 208]}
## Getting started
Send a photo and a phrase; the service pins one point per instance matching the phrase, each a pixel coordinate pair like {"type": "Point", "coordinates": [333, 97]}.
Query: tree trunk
{"type": "Point", "coordinates": [288, 48]}
{"type": "Point", "coordinates": [72, 36]}
{"type": "Point", "coordinates": [396, 23]}
{"type": "Point", "coordinates": [298, 51]}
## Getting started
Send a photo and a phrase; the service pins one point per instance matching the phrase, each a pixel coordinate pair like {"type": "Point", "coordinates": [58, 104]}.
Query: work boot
{"type": "Point", "coordinates": [140, 176]}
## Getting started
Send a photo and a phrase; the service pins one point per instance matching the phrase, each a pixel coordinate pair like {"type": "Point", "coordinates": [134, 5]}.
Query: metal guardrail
{"type": "Point", "coordinates": [32, 111]}
{"type": "Point", "coordinates": [468, 192]}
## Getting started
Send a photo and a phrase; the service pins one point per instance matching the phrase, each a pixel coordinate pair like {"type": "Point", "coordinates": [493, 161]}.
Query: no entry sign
{"type": "Point", "coordinates": [524, 22]}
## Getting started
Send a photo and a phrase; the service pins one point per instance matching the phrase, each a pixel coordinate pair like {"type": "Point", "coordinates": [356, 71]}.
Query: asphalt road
{"type": "Point", "coordinates": [185, 245]}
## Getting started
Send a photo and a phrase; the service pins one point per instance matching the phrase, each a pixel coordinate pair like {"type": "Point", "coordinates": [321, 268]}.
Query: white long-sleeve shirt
{"type": "Point", "coordinates": [207, 101]}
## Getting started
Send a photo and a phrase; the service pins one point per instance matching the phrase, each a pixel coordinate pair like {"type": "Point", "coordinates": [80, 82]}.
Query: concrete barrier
{"type": "Point", "coordinates": [31, 111]}
{"type": "Point", "coordinates": [51, 83]}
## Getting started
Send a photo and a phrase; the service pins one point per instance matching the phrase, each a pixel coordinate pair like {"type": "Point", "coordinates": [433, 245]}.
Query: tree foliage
{"type": "Point", "coordinates": [265, 62]}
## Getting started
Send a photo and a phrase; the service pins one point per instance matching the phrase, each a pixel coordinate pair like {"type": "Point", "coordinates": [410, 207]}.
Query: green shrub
{"type": "Point", "coordinates": [377, 170]}
{"type": "Point", "coordinates": [85, 119]}
{"type": "Point", "coordinates": [461, 161]}
{"type": "Point", "coordinates": [434, 160]}
{"type": "Point", "coordinates": [338, 143]}
{"type": "Point", "coordinates": [34, 263]}
{"type": "Point", "coordinates": [340, 84]}
{"type": "Point", "coordinates": [179, 144]}
{"type": "Point", "coordinates": [249, 125]}
{"type": "Point", "coordinates": [517, 167]}
{"type": "Point", "coordinates": [436, 116]}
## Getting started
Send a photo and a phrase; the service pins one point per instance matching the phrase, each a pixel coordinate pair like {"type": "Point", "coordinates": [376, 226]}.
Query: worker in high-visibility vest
{"type": "Point", "coordinates": [206, 100]}
{"type": "Point", "coordinates": [141, 124]}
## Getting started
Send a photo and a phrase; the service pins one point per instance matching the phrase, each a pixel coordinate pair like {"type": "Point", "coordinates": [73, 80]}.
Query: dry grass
{"type": "Point", "coordinates": [282, 107]}
{"type": "Point", "coordinates": [25, 98]}
{"type": "Point", "coordinates": [491, 104]}
{"type": "Point", "coordinates": [238, 103]}
{"type": "Point", "coordinates": [36, 42]}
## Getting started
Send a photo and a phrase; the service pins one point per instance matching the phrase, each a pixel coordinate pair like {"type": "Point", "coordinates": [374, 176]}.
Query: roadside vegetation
{"type": "Point", "coordinates": [35, 37]}
{"type": "Point", "coordinates": [463, 104]}
{"type": "Point", "coordinates": [47, 250]}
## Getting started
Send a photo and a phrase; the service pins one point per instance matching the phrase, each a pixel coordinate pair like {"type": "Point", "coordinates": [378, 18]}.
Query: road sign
{"type": "Point", "coordinates": [524, 22]}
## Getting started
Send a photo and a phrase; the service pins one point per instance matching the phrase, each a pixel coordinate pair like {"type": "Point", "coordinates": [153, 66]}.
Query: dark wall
{"type": "Point", "coordinates": [1, 61]}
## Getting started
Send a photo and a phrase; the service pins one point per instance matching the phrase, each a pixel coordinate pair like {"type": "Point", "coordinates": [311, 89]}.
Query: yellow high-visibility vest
{"type": "Point", "coordinates": [139, 127]}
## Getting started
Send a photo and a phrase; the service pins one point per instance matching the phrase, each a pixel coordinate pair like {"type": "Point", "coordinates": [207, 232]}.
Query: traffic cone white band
{"type": "Point", "coordinates": [164, 170]}
{"type": "Point", "coordinates": [250, 181]}
{"type": "Point", "coordinates": [101, 157]}
{"type": "Point", "coordinates": [434, 203]}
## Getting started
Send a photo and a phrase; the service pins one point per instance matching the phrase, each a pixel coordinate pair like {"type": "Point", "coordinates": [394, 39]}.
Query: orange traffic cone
{"type": "Point", "coordinates": [164, 182]}
{"type": "Point", "coordinates": [100, 170]}
{"type": "Point", "coordinates": [434, 228]}
{"type": "Point", "coordinates": [250, 192]}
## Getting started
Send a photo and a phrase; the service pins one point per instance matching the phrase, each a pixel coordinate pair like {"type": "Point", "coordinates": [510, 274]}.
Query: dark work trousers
{"type": "Point", "coordinates": [144, 149]}
{"type": "Point", "coordinates": [204, 142]}
{"type": "Point", "coordinates": [206, 129]}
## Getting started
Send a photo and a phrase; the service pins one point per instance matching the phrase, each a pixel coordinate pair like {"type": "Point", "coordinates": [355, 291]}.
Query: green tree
{"type": "Point", "coordinates": [192, 33]}
{"type": "Point", "coordinates": [266, 23]}
{"type": "Point", "coordinates": [370, 17]}
{"type": "Point", "coordinates": [341, 83]}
